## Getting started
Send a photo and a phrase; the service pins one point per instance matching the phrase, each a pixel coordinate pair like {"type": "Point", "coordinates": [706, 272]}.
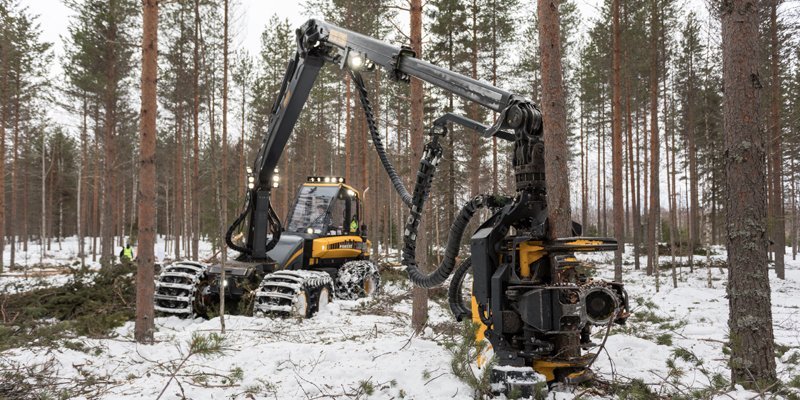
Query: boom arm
{"type": "Point", "coordinates": [319, 42]}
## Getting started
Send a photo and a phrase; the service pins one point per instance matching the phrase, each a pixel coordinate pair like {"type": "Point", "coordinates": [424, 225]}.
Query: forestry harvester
{"type": "Point", "coordinates": [530, 295]}
{"type": "Point", "coordinates": [322, 253]}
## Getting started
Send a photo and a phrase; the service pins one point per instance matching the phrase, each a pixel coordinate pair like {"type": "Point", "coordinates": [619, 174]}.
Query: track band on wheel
{"type": "Point", "coordinates": [357, 279]}
{"type": "Point", "coordinates": [177, 288]}
{"type": "Point", "coordinates": [293, 293]}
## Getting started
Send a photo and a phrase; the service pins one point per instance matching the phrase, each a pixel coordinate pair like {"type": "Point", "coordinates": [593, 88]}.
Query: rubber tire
{"type": "Point", "coordinates": [351, 277]}
{"type": "Point", "coordinates": [302, 296]}
{"type": "Point", "coordinates": [324, 297]}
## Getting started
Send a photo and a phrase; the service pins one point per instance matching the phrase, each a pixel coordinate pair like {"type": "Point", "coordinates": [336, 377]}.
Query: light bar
{"type": "Point", "coordinates": [325, 179]}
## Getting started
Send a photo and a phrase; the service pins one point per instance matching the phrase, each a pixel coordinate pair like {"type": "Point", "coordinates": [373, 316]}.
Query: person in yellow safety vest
{"type": "Point", "coordinates": [127, 253]}
{"type": "Point", "coordinates": [354, 225]}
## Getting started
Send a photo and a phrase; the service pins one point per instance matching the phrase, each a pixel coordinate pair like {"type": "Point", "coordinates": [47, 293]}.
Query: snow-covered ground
{"type": "Point", "coordinates": [365, 349]}
{"type": "Point", "coordinates": [691, 317]}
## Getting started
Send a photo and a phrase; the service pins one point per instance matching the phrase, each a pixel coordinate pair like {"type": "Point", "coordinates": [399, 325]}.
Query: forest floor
{"type": "Point", "coordinates": [673, 345]}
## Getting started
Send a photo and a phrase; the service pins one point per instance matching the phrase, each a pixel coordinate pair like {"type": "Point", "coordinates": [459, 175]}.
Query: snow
{"type": "Point", "coordinates": [334, 353]}
{"type": "Point", "coordinates": [328, 355]}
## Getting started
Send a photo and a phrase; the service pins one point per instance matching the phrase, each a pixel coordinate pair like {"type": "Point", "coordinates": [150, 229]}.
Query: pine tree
{"type": "Point", "coordinates": [145, 287]}
{"type": "Point", "coordinates": [419, 314]}
{"type": "Point", "coordinates": [750, 322]}
{"type": "Point", "coordinates": [555, 140]}
{"type": "Point", "coordinates": [616, 145]}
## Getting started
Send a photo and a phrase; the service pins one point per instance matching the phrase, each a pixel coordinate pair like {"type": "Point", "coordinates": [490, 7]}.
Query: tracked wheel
{"type": "Point", "coordinates": [357, 279]}
{"type": "Point", "coordinates": [293, 293]}
{"type": "Point", "coordinates": [178, 288]}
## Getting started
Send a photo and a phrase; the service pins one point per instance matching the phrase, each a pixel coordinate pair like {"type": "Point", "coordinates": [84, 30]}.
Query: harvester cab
{"type": "Point", "coordinates": [325, 206]}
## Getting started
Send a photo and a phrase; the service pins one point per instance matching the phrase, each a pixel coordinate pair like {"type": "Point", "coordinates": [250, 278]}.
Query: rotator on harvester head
{"type": "Point", "coordinates": [530, 294]}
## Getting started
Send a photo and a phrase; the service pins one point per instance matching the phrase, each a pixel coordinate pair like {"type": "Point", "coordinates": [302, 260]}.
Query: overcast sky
{"type": "Point", "coordinates": [252, 14]}
{"type": "Point", "coordinates": [250, 18]}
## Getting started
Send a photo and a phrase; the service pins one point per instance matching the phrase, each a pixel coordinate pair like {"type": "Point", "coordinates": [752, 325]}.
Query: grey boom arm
{"type": "Point", "coordinates": [319, 42]}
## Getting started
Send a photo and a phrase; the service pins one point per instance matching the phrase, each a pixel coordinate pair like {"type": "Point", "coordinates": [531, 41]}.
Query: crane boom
{"type": "Point", "coordinates": [318, 43]}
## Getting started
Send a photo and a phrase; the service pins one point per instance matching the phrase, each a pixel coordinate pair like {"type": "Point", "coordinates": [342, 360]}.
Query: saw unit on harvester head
{"type": "Point", "coordinates": [529, 292]}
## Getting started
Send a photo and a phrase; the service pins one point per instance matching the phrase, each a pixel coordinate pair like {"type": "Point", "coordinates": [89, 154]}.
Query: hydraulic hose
{"type": "Point", "coordinates": [397, 182]}
{"type": "Point", "coordinates": [454, 298]}
{"type": "Point", "coordinates": [235, 225]}
{"type": "Point", "coordinates": [427, 167]}
{"type": "Point", "coordinates": [443, 271]}
{"type": "Point", "coordinates": [273, 221]}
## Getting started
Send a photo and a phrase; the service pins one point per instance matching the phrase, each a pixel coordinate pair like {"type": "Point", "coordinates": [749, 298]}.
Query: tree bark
{"type": "Point", "coordinates": [14, 230]}
{"type": "Point", "coordinates": [750, 324]}
{"type": "Point", "coordinates": [143, 332]}
{"type": "Point", "coordinates": [655, 199]}
{"type": "Point", "coordinates": [223, 187]}
{"type": "Point", "coordinates": [106, 221]}
{"type": "Point", "coordinates": [3, 118]}
{"type": "Point", "coordinates": [616, 144]}
{"type": "Point", "coordinates": [473, 112]}
{"type": "Point", "coordinates": [778, 230]}
{"type": "Point", "coordinates": [82, 183]}
{"type": "Point", "coordinates": [554, 121]}
{"type": "Point", "coordinates": [195, 228]}
{"type": "Point", "coordinates": [419, 308]}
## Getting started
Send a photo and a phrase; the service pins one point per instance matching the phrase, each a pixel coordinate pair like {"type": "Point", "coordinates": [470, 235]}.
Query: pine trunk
{"type": "Point", "coordinates": [778, 230]}
{"type": "Point", "coordinates": [195, 226]}
{"type": "Point", "coordinates": [655, 200]}
{"type": "Point", "coordinates": [145, 287]}
{"type": "Point", "coordinates": [3, 118]}
{"type": "Point", "coordinates": [110, 102]}
{"type": "Point", "coordinates": [419, 309]}
{"type": "Point", "coordinates": [223, 186]}
{"type": "Point", "coordinates": [616, 145]}
{"type": "Point", "coordinates": [13, 228]}
{"type": "Point", "coordinates": [750, 323]}
{"type": "Point", "coordinates": [554, 116]}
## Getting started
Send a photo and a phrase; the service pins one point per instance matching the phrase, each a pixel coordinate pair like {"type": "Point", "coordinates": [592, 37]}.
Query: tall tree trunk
{"type": "Point", "coordinates": [694, 198]}
{"type": "Point", "coordinates": [143, 332]}
{"type": "Point", "coordinates": [177, 213]}
{"type": "Point", "coordinates": [616, 144]}
{"type": "Point", "coordinates": [598, 193]}
{"type": "Point", "coordinates": [195, 229]}
{"type": "Point", "coordinates": [419, 309]}
{"type": "Point", "coordinates": [655, 199]}
{"type": "Point", "coordinates": [795, 210]}
{"type": "Point", "coordinates": [15, 174]}
{"type": "Point", "coordinates": [776, 157]}
{"type": "Point", "coordinates": [3, 119]}
{"type": "Point", "coordinates": [43, 227]}
{"type": "Point", "coordinates": [632, 173]}
{"type": "Point", "coordinates": [474, 163]}
{"type": "Point", "coordinates": [223, 186]}
{"type": "Point", "coordinates": [96, 188]}
{"type": "Point", "coordinates": [750, 324]}
{"type": "Point", "coordinates": [494, 83]}
{"type": "Point", "coordinates": [669, 153]}
{"type": "Point", "coordinates": [110, 103]}
{"type": "Point", "coordinates": [554, 114]}
{"type": "Point", "coordinates": [82, 183]}
{"type": "Point", "coordinates": [584, 171]}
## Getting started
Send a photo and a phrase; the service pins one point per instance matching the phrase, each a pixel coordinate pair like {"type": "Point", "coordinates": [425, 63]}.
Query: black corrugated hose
{"type": "Point", "coordinates": [397, 182]}
{"type": "Point", "coordinates": [427, 167]}
{"type": "Point", "coordinates": [454, 291]}
{"type": "Point", "coordinates": [274, 224]}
